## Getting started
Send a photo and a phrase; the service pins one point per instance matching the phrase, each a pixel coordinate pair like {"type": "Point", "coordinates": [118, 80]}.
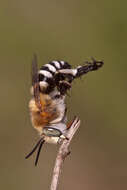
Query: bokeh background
{"type": "Point", "coordinates": [71, 30]}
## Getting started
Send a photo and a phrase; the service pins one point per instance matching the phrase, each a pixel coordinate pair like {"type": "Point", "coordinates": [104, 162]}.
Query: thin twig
{"type": "Point", "coordinates": [62, 153]}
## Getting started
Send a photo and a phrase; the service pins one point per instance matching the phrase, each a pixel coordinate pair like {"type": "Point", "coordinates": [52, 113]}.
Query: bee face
{"type": "Point", "coordinates": [47, 106]}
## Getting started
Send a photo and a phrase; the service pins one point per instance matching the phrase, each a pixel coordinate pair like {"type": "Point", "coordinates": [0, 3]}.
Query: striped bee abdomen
{"type": "Point", "coordinates": [60, 74]}
{"type": "Point", "coordinates": [47, 72]}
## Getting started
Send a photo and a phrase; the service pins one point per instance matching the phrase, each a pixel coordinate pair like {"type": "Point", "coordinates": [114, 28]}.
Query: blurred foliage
{"type": "Point", "coordinates": [71, 30]}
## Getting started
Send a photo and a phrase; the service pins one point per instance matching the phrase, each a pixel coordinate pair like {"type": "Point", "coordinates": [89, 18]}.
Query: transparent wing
{"type": "Point", "coordinates": [35, 82]}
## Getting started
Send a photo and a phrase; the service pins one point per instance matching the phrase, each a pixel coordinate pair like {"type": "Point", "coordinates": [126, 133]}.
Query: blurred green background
{"type": "Point", "coordinates": [72, 30]}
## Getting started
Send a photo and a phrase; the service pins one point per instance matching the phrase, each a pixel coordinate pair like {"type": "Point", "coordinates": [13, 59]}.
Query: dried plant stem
{"type": "Point", "coordinates": [62, 153]}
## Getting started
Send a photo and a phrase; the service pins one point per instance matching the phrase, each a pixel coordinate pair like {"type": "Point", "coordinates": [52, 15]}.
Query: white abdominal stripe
{"type": "Point", "coordinates": [51, 68]}
{"type": "Point", "coordinates": [46, 73]}
{"type": "Point", "coordinates": [60, 65]}
{"type": "Point", "coordinates": [45, 79]}
{"type": "Point", "coordinates": [57, 64]}
{"type": "Point", "coordinates": [43, 85]}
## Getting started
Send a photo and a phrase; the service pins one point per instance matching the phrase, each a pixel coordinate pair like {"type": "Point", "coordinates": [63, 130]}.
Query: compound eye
{"type": "Point", "coordinates": [51, 132]}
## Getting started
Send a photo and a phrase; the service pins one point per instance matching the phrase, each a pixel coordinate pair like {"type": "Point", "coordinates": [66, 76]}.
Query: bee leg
{"type": "Point", "coordinates": [61, 139]}
{"type": "Point", "coordinates": [70, 74]}
{"type": "Point", "coordinates": [88, 66]}
{"type": "Point", "coordinates": [63, 82]}
{"type": "Point", "coordinates": [63, 87]}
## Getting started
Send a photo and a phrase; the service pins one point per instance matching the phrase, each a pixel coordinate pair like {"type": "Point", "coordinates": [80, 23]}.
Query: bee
{"type": "Point", "coordinates": [47, 106]}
